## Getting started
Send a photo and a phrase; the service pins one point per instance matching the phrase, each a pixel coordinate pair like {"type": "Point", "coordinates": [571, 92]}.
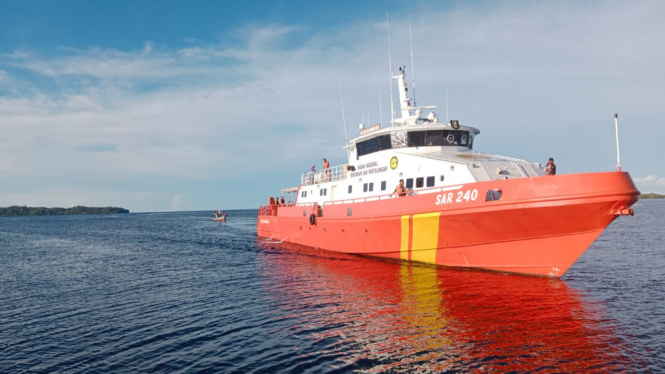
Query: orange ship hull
{"type": "Point", "coordinates": [540, 226]}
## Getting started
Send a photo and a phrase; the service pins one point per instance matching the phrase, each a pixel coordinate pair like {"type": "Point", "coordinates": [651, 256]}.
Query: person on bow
{"type": "Point", "coordinates": [550, 168]}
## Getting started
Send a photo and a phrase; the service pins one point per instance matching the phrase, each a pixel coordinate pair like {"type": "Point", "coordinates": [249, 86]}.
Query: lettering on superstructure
{"type": "Point", "coordinates": [370, 129]}
{"type": "Point", "coordinates": [368, 168]}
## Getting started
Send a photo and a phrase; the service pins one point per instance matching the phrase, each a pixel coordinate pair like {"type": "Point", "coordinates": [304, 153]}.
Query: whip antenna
{"type": "Point", "coordinates": [390, 70]}
{"type": "Point", "coordinates": [380, 109]}
{"type": "Point", "coordinates": [616, 126]}
{"type": "Point", "coordinates": [447, 119]}
{"type": "Point", "coordinates": [413, 67]}
{"type": "Point", "coordinates": [346, 138]}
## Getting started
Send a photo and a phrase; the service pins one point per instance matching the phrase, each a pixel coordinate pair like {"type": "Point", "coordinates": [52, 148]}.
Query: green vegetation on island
{"type": "Point", "coordinates": [651, 196]}
{"type": "Point", "coordinates": [16, 211]}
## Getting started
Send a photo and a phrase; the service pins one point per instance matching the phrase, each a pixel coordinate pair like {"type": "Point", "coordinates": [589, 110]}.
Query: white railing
{"type": "Point", "coordinates": [332, 174]}
{"type": "Point", "coordinates": [409, 192]}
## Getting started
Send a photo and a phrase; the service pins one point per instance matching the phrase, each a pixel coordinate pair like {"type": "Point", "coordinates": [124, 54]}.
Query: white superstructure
{"type": "Point", "coordinates": [428, 154]}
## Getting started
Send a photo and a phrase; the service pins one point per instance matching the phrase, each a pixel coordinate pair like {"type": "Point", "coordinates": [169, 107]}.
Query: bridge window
{"type": "Point", "coordinates": [434, 138]}
{"type": "Point", "coordinates": [419, 182]}
{"type": "Point", "coordinates": [430, 181]}
{"type": "Point", "coordinates": [368, 146]}
{"type": "Point", "coordinates": [440, 137]}
{"type": "Point", "coordinates": [417, 138]}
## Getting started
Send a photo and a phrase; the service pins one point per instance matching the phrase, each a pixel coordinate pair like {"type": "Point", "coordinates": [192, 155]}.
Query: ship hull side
{"type": "Point", "coordinates": [540, 226]}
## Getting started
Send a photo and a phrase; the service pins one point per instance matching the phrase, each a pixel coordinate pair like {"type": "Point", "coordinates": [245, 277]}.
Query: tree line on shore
{"type": "Point", "coordinates": [16, 211]}
{"type": "Point", "coordinates": [651, 196]}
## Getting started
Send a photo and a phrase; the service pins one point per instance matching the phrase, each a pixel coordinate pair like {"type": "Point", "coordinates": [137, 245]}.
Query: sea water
{"type": "Point", "coordinates": [177, 292]}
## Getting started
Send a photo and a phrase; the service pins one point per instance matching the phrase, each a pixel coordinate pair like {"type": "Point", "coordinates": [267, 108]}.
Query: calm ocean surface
{"type": "Point", "coordinates": [177, 292]}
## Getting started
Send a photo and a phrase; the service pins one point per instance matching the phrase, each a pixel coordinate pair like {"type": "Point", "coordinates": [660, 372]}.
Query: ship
{"type": "Point", "coordinates": [458, 207]}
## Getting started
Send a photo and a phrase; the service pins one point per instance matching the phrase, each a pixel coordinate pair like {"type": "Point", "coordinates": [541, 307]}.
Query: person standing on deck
{"type": "Point", "coordinates": [326, 168]}
{"type": "Point", "coordinates": [550, 168]}
{"type": "Point", "coordinates": [400, 190]}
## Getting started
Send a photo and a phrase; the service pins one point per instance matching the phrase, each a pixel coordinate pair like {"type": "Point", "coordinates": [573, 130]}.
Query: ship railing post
{"type": "Point", "coordinates": [616, 126]}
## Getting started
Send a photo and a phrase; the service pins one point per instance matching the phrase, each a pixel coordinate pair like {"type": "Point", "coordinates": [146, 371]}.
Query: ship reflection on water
{"type": "Point", "coordinates": [373, 316]}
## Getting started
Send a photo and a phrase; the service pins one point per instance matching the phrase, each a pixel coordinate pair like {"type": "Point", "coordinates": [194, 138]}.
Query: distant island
{"type": "Point", "coordinates": [651, 196]}
{"type": "Point", "coordinates": [16, 211]}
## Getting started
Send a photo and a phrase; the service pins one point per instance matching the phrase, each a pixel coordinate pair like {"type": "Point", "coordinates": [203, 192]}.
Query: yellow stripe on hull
{"type": "Point", "coordinates": [425, 237]}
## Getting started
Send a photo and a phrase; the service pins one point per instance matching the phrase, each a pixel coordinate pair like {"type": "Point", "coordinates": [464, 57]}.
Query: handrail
{"type": "Point", "coordinates": [393, 195]}
{"type": "Point", "coordinates": [520, 169]}
{"type": "Point", "coordinates": [271, 210]}
{"type": "Point", "coordinates": [332, 174]}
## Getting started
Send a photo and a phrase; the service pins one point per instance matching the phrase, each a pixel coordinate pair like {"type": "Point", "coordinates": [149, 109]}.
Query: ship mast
{"type": "Point", "coordinates": [390, 72]}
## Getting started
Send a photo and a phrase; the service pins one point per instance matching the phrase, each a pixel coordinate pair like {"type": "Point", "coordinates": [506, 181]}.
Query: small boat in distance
{"type": "Point", "coordinates": [219, 216]}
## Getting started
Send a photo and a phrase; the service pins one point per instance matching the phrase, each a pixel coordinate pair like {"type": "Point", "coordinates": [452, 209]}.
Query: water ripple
{"type": "Point", "coordinates": [176, 292]}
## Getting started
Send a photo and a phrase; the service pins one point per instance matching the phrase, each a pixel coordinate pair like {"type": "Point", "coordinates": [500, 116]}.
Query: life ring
{"type": "Point", "coordinates": [312, 219]}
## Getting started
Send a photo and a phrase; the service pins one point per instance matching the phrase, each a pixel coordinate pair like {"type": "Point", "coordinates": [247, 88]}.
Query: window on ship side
{"type": "Point", "coordinates": [420, 182]}
{"type": "Point", "coordinates": [430, 181]}
{"type": "Point", "coordinates": [493, 195]}
{"type": "Point", "coordinates": [365, 187]}
{"type": "Point", "coordinates": [371, 187]}
{"type": "Point", "coordinates": [350, 188]}
{"type": "Point", "coordinates": [383, 186]}
{"type": "Point", "coordinates": [409, 183]}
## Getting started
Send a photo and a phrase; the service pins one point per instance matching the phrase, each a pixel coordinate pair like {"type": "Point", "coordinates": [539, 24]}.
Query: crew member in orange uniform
{"type": "Point", "coordinates": [326, 167]}
{"type": "Point", "coordinates": [400, 190]}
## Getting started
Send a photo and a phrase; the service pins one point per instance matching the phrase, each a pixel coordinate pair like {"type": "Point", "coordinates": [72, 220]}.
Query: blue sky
{"type": "Point", "coordinates": [158, 106]}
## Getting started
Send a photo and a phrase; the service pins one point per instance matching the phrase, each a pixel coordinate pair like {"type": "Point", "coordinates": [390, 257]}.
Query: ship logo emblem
{"type": "Point", "coordinates": [393, 163]}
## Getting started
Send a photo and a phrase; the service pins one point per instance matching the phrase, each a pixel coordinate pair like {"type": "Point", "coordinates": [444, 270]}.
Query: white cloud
{"type": "Point", "coordinates": [524, 75]}
{"type": "Point", "coordinates": [650, 180]}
